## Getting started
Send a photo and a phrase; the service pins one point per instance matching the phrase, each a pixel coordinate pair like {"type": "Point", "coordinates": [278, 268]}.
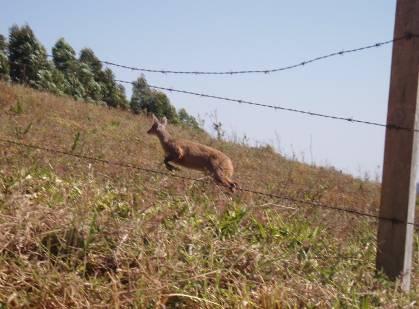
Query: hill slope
{"type": "Point", "coordinates": [81, 233]}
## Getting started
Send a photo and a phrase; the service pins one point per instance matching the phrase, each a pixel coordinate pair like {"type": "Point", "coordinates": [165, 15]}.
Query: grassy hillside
{"type": "Point", "coordinates": [76, 233]}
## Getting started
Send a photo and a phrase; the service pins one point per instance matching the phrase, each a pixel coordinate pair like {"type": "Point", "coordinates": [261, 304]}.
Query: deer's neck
{"type": "Point", "coordinates": [164, 137]}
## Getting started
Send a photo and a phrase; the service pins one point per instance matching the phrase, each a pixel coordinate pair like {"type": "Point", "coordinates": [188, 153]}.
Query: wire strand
{"type": "Point", "coordinates": [277, 107]}
{"type": "Point", "coordinates": [407, 36]}
{"type": "Point", "coordinates": [149, 170]}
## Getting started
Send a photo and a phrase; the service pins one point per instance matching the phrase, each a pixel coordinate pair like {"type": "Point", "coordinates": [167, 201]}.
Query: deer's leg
{"type": "Point", "coordinates": [171, 157]}
{"type": "Point", "coordinates": [223, 180]}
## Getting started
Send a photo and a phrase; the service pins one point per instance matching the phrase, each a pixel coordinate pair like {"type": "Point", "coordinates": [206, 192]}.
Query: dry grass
{"type": "Point", "coordinates": [80, 234]}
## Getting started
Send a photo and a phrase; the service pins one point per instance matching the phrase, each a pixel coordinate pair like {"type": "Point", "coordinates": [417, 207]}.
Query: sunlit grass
{"type": "Point", "coordinates": [83, 234]}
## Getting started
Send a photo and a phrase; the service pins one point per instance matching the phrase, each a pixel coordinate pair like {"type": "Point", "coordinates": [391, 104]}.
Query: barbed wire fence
{"type": "Point", "coordinates": [277, 107]}
{"type": "Point", "coordinates": [270, 70]}
{"type": "Point", "coordinates": [243, 189]}
{"type": "Point", "coordinates": [407, 36]}
{"type": "Point", "coordinates": [307, 203]}
{"type": "Point", "coordinates": [307, 251]}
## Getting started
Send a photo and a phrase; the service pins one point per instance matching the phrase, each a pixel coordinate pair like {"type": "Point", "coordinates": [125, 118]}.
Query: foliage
{"type": "Point", "coordinates": [113, 94]}
{"type": "Point", "coordinates": [65, 61]}
{"type": "Point", "coordinates": [187, 119]}
{"type": "Point", "coordinates": [92, 88]}
{"type": "Point", "coordinates": [141, 94]}
{"type": "Point", "coordinates": [161, 107]}
{"type": "Point", "coordinates": [83, 78]}
{"type": "Point", "coordinates": [51, 79]}
{"type": "Point", "coordinates": [79, 234]}
{"type": "Point", "coordinates": [151, 101]}
{"type": "Point", "coordinates": [4, 62]}
{"type": "Point", "coordinates": [27, 57]}
{"type": "Point", "coordinates": [73, 86]}
{"type": "Point", "coordinates": [64, 56]}
{"type": "Point", "coordinates": [88, 57]}
{"type": "Point", "coordinates": [147, 100]}
{"type": "Point", "coordinates": [3, 43]}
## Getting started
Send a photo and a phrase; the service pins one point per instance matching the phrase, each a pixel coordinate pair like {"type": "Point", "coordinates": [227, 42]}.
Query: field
{"type": "Point", "coordinates": [77, 233]}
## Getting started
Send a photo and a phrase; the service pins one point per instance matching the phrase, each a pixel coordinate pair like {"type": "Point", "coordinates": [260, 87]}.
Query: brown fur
{"type": "Point", "coordinates": [193, 155]}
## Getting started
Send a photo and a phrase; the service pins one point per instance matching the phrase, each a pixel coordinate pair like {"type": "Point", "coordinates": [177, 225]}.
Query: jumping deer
{"type": "Point", "coordinates": [193, 155]}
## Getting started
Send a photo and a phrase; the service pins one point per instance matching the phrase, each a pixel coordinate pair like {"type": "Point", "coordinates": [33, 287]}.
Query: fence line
{"type": "Point", "coordinates": [277, 107]}
{"type": "Point", "coordinates": [149, 170]}
{"type": "Point", "coordinates": [407, 36]}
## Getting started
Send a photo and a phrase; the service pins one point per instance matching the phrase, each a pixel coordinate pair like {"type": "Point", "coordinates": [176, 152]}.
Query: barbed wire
{"type": "Point", "coordinates": [149, 170]}
{"type": "Point", "coordinates": [407, 36]}
{"type": "Point", "coordinates": [266, 71]}
{"type": "Point", "coordinates": [277, 107]}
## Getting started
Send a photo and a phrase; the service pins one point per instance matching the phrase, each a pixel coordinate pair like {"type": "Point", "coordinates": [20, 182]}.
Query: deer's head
{"type": "Point", "coordinates": [158, 125]}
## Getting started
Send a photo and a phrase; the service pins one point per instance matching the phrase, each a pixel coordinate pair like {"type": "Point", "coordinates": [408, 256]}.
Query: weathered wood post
{"type": "Point", "coordinates": [398, 193]}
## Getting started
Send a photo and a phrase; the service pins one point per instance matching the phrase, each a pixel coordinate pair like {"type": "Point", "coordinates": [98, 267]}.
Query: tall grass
{"type": "Point", "coordinates": [83, 234]}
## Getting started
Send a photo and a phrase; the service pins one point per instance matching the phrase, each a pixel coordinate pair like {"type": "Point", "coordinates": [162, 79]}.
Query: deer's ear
{"type": "Point", "coordinates": [154, 118]}
{"type": "Point", "coordinates": [164, 121]}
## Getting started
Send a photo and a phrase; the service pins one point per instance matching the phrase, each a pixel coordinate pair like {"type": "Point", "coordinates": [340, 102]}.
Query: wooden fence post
{"type": "Point", "coordinates": [398, 193]}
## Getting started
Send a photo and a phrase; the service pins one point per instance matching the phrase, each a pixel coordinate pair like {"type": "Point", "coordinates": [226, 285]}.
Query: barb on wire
{"type": "Point", "coordinates": [149, 170]}
{"type": "Point", "coordinates": [266, 71]}
{"type": "Point", "coordinates": [277, 107]}
{"type": "Point", "coordinates": [407, 36]}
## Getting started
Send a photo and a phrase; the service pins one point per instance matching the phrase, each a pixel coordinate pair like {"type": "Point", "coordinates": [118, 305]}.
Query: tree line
{"type": "Point", "coordinates": [24, 60]}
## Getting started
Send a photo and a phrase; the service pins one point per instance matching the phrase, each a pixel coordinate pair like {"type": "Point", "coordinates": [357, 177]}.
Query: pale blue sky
{"type": "Point", "coordinates": [235, 35]}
